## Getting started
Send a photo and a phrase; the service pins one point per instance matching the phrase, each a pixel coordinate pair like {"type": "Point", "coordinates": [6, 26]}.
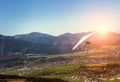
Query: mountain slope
{"type": "Point", "coordinates": [65, 42]}
{"type": "Point", "coordinates": [11, 45]}
{"type": "Point", "coordinates": [38, 43]}
{"type": "Point", "coordinates": [36, 37]}
{"type": "Point", "coordinates": [102, 39]}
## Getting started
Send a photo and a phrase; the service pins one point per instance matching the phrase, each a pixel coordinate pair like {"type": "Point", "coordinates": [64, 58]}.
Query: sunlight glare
{"type": "Point", "coordinates": [102, 29]}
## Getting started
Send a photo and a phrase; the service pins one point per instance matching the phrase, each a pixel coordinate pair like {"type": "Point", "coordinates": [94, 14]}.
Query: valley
{"type": "Point", "coordinates": [95, 64]}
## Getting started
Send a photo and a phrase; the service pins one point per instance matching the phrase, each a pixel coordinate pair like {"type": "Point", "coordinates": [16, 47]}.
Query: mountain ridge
{"type": "Point", "coordinates": [41, 43]}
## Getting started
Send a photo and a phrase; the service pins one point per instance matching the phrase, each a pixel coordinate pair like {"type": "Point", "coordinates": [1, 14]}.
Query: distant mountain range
{"type": "Point", "coordinates": [40, 43]}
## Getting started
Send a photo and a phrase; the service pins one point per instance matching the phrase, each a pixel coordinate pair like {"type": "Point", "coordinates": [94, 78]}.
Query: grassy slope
{"type": "Point", "coordinates": [62, 71]}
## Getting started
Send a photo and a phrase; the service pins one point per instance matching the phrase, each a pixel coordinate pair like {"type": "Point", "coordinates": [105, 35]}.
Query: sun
{"type": "Point", "coordinates": [102, 29]}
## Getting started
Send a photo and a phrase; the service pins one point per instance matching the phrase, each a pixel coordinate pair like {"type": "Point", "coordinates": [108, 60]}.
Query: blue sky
{"type": "Point", "coordinates": [58, 16]}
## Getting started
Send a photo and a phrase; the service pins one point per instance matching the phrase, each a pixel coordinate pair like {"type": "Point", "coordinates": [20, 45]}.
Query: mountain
{"type": "Point", "coordinates": [11, 46]}
{"type": "Point", "coordinates": [65, 42]}
{"type": "Point", "coordinates": [2, 37]}
{"type": "Point", "coordinates": [102, 39]}
{"type": "Point", "coordinates": [39, 43]}
{"type": "Point", "coordinates": [36, 37]}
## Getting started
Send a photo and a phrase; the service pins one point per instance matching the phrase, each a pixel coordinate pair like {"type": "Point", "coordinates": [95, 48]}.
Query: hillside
{"type": "Point", "coordinates": [36, 37]}
{"type": "Point", "coordinates": [102, 63]}
{"type": "Point", "coordinates": [39, 43]}
{"type": "Point", "coordinates": [11, 46]}
{"type": "Point", "coordinates": [65, 42]}
{"type": "Point", "coordinates": [102, 39]}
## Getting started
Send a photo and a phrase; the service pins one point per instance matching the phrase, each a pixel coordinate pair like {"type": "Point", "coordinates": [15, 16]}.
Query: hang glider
{"type": "Point", "coordinates": [83, 39]}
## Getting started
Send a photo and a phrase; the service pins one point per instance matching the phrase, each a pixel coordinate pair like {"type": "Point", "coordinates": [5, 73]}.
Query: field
{"type": "Point", "coordinates": [99, 65]}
